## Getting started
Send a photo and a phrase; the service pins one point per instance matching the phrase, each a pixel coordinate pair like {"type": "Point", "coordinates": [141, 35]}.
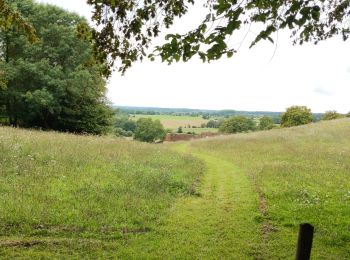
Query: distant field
{"type": "Point", "coordinates": [200, 130]}
{"type": "Point", "coordinates": [174, 122]}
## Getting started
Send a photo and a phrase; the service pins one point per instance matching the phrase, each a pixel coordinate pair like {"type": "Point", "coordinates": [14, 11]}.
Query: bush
{"type": "Point", "coordinates": [265, 123]}
{"type": "Point", "coordinates": [296, 115]}
{"type": "Point", "coordinates": [121, 132]}
{"type": "Point", "coordinates": [330, 115]}
{"type": "Point", "coordinates": [213, 124]}
{"type": "Point", "coordinates": [237, 124]}
{"type": "Point", "coordinates": [148, 130]}
{"type": "Point", "coordinates": [125, 123]}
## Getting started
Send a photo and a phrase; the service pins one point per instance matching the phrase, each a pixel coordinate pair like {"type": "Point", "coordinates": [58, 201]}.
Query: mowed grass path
{"type": "Point", "coordinates": [256, 190]}
{"type": "Point", "coordinates": [302, 174]}
{"type": "Point", "coordinates": [218, 223]}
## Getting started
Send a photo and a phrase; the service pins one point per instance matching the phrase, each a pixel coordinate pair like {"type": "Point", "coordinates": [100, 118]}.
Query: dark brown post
{"type": "Point", "coordinates": [306, 234]}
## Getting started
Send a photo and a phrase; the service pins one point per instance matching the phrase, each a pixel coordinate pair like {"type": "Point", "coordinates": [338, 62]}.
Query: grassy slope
{"type": "Point", "coordinates": [256, 189]}
{"type": "Point", "coordinates": [63, 194]}
{"type": "Point", "coordinates": [302, 175]}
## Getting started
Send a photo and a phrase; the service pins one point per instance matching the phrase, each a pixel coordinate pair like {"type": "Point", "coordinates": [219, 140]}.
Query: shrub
{"type": "Point", "coordinates": [237, 124]}
{"type": "Point", "coordinates": [296, 115]}
{"type": "Point", "coordinates": [265, 123]}
{"type": "Point", "coordinates": [148, 130]}
{"type": "Point", "coordinates": [330, 115]}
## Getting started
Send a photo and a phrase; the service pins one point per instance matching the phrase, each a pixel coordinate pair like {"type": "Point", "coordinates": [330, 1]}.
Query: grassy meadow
{"type": "Point", "coordinates": [61, 192]}
{"type": "Point", "coordinates": [241, 196]}
{"type": "Point", "coordinates": [300, 174]}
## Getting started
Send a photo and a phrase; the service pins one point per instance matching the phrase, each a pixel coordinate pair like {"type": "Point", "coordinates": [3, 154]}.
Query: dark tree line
{"type": "Point", "coordinates": [55, 82]}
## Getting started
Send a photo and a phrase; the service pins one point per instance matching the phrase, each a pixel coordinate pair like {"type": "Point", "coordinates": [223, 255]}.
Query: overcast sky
{"type": "Point", "coordinates": [266, 77]}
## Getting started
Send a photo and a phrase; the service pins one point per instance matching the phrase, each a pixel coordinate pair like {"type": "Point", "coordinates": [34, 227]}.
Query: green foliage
{"type": "Point", "coordinates": [121, 132]}
{"type": "Point", "coordinates": [265, 123]}
{"type": "Point", "coordinates": [125, 29]}
{"type": "Point", "coordinates": [330, 115]}
{"type": "Point", "coordinates": [54, 83]}
{"type": "Point", "coordinates": [213, 124]}
{"type": "Point", "coordinates": [148, 130]}
{"type": "Point", "coordinates": [237, 124]}
{"type": "Point", "coordinates": [301, 175]}
{"type": "Point", "coordinates": [296, 115]}
{"type": "Point", "coordinates": [348, 114]}
{"type": "Point", "coordinates": [124, 125]}
{"type": "Point", "coordinates": [10, 16]}
{"type": "Point", "coordinates": [179, 130]}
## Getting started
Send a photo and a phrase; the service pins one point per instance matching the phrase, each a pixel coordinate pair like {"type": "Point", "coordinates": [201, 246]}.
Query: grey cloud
{"type": "Point", "coordinates": [323, 91]}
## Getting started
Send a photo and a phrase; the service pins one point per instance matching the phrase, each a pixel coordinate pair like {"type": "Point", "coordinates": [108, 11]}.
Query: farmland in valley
{"type": "Point", "coordinates": [173, 122]}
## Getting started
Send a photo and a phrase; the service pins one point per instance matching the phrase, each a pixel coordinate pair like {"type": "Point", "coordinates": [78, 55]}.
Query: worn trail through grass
{"type": "Point", "coordinates": [218, 223]}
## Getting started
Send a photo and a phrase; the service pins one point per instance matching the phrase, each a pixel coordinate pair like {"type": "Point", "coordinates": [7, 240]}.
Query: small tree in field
{"type": "Point", "coordinates": [265, 123]}
{"type": "Point", "coordinates": [237, 124]}
{"type": "Point", "coordinates": [330, 115]}
{"type": "Point", "coordinates": [148, 130]}
{"type": "Point", "coordinates": [348, 114]}
{"type": "Point", "coordinates": [296, 115]}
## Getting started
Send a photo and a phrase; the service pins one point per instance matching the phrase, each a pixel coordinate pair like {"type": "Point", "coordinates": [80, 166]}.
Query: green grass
{"type": "Point", "coordinates": [68, 191]}
{"type": "Point", "coordinates": [66, 196]}
{"type": "Point", "coordinates": [303, 174]}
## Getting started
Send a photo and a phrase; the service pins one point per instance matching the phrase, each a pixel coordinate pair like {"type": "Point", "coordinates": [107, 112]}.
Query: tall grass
{"type": "Point", "coordinates": [62, 185]}
{"type": "Point", "coordinates": [304, 174]}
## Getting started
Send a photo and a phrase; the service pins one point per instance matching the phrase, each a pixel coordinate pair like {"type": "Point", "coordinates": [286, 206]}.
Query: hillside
{"type": "Point", "coordinates": [299, 174]}
{"type": "Point", "coordinates": [61, 193]}
{"type": "Point", "coordinates": [91, 197]}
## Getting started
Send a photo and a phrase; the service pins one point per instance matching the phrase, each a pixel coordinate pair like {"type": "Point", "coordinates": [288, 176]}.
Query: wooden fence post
{"type": "Point", "coordinates": [306, 233]}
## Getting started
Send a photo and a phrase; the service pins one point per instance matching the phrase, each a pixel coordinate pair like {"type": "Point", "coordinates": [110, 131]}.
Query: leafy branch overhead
{"type": "Point", "coordinates": [125, 28]}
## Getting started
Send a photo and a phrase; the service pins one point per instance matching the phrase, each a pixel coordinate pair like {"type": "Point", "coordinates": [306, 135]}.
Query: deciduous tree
{"type": "Point", "coordinates": [265, 123]}
{"type": "Point", "coordinates": [330, 115]}
{"type": "Point", "coordinates": [237, 124]}
{"type": "Point", "coordinates": [148, 130]}
{"type": "Point", "coordinates": [296, 115]}
{"type": "Point", "coordinates": [125, 28]}
{"type": "Point", "coordinates": [56, 82]}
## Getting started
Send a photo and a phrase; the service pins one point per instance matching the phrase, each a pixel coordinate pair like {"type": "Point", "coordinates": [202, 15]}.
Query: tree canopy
{"type": "Point", "coordinates": [125, 28]}
{"type": "Point", "coordinates": [237, 124]}
{"type": "Point", "coordinates": [54, 83]}
{"type": "Point", "coordinates": [330, 115]}
{"type": "Point", "coordinates": [265, 123]}
{"type": "Point", "coordinates": [10, 16]}
{"type": "Point", "coordinates": [148, 130]}
{"type": "Point", "coordinates": [296, 115]}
